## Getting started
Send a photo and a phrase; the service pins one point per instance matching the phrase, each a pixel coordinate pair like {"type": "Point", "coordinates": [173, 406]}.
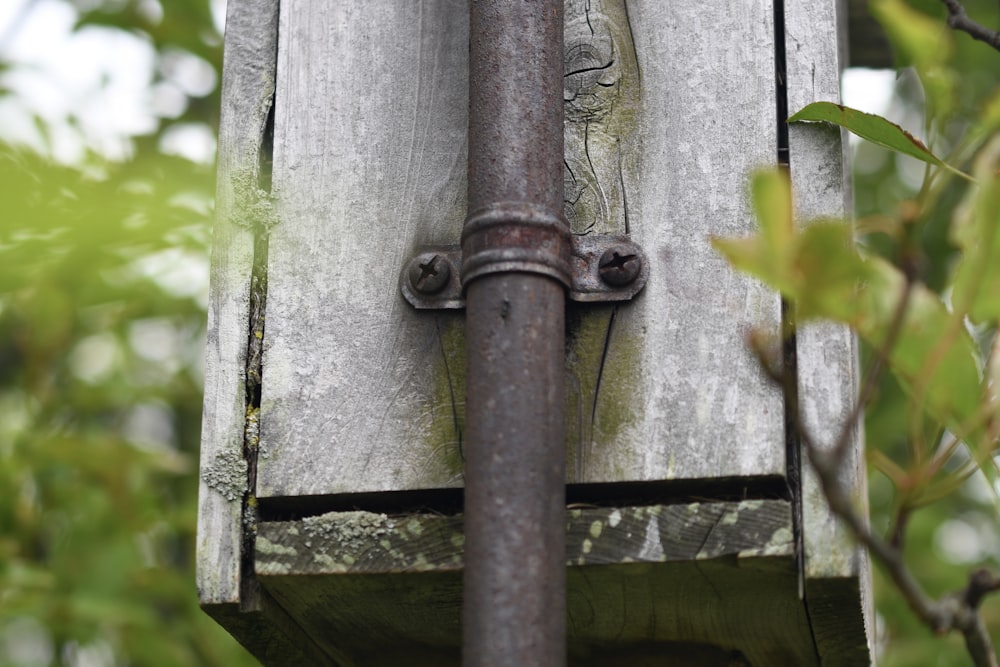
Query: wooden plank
{"type": "Point", "coordinates": [680, 397]}
{"type": "Point", "coordinates": [247, 92]}
{"type": "Point", "coordinates": [841, 618]}
{"type": "Point", "coordinates": [271, 635]}
{"type": "Point", "coordinates": [361, 393]}
{"type": "Point", "coordinates": [368, 543]}
{"type": "Point", "coordinates": [601, 95]}
{"type": "Point", "coordinates": [695, 583]}
{"type": "Point", "coordinates": [369, 164]}
{"type": "Point", "coordinates": [836, 570]}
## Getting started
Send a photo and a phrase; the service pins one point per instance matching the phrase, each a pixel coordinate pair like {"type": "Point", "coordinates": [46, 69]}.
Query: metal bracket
{"type": "Point", "coordinates": [604, 268]}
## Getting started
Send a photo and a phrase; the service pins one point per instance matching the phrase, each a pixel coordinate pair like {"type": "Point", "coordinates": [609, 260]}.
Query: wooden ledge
{"type": "Point", "coordinates": [709, 583]}
{"type": "Point", "coordinates": [369, 543]}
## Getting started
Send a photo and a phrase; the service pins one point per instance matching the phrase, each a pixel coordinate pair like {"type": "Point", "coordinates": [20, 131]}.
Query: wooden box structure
{"type": "Point", "coordinates": [330, 528]}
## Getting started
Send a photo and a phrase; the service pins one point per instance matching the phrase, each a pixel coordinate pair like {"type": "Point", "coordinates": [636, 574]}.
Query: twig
{"type": "Point", "coordinates": [899, 524]}
{"type": "Point", "coordinates": [977, 639]}
{"type": "Point", "coordinates": [959, 20]}
{"type": "Point", "coordinates": [957, 611]}
{"type": "Point", "coordinates": [875, 370]}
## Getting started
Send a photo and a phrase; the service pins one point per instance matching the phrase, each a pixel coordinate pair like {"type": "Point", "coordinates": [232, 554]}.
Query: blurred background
{"type": "Point", "coordinates": [108, 116]}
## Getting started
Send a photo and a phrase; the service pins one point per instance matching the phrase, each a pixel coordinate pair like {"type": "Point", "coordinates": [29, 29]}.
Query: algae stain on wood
{"type": "Point", "coordinates": [254, 207]}
{"type": "Point", "coordinates": [602, 362]}
{"type": "Point", "coordinates": [601, 94]}
{"type": "Point", "coordinates": [443, 417]}
{"type": "Point", "coordinates": [600, 98]}
{"type": "Point", "coordinates": [600, 393]}
{"type": "Point", "coordinates": [617, 405]}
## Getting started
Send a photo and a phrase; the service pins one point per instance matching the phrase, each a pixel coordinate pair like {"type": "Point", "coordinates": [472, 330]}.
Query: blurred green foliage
{"type": "Point", "coordinates": [932, 234]}
{"type": "Point", "coordinates": [947, 539]}
{"type": "Point", "coordinates": [103, 272]}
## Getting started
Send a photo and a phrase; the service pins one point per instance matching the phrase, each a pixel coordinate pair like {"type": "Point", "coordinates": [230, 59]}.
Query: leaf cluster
{"type": "Point", "coordinates": [103, 288]}
{"type": "Point", "coordinates": [921, 288]}
{"type": "Point", "coordinates": [101, 329]}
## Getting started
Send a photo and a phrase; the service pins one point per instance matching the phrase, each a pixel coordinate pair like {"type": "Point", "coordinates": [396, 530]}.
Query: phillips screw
{"type": "Point", "coordinates": [429, 273]}
{"type": "Point", "coordinates": [619, 266]}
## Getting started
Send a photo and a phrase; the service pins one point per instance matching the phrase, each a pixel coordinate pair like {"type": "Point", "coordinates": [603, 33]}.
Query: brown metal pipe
{"type": "Point", "coordinates": [515, 263]}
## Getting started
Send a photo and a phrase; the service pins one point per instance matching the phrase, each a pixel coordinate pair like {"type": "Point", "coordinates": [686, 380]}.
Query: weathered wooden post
{"type": "Point", "coordinates": [334, 441]}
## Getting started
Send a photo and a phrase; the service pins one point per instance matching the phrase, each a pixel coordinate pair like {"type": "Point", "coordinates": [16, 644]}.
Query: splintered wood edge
{"type": "Point", "coordinates": [369, 543]}
{"type": "Point", "coordinates": [248, 76]}
{"type": "Point", "coordinates": [826, 353]}
{"type": "Point", "coordinates": [837, 573]}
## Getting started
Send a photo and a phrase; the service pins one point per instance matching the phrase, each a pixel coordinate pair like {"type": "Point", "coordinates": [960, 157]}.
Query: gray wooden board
{"type": "Point", "coordinates": [362, 393]}
{"type": "Point", "coordinates": [689, 582]}
{"type": "Point", "coordinates": [270, 634]}
{"type": "Point", "coordinates": [247, 91]}
{"type": "Point", "coordinates": [369, 164]}
{"type": "Point", "coordinates": [367, 543]}
{"type": "Point", "coordinates": [827, 354]}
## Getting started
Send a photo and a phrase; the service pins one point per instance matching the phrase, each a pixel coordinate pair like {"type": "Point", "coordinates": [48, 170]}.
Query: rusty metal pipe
{"type": "Point", "coordinates": [515, 269]}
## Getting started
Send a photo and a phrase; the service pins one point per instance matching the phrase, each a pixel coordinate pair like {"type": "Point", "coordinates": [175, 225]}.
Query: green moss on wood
{"type": "Point", "coordinates": [363, 542]}
{"type": "Point", "coordinates": [608, 369]}
{"type": "Point", "coordinates": [445, 416]}
{"type": "Point", "coordinates": [253, 206]}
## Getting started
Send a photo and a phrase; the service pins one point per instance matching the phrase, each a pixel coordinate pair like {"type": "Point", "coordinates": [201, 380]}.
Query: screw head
{"type": "Point", "coordinates": [619, 265]}
{"type": "Point", "coordinates": [429, 273]}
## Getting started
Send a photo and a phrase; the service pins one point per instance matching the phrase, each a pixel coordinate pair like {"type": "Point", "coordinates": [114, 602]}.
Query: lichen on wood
{"type": "Point", "coordinates": [253, 207]}
{"type": "Point", "coordinates": [226, 473]}
{"type": "Point", "coordinates": [386, 590]}
{"type": "Point", "coordinates": [365, 542]}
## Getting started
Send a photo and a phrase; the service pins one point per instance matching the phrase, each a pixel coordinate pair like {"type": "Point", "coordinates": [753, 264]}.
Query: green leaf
{"type": "Point", "coordinates": [874, 128]}
{"type": "Point", "coordinates": [772, 203]}
{"type": "Point", "coordinates": [868, 126]}
{"type": "Point", "coordinates": [771, 193]}
{"type": "Point", "coordinates": [819, 268]}
{"type": "Point", "coordinates": [934, 360]}
{"type": "Point", "coordinates": [975, 231]}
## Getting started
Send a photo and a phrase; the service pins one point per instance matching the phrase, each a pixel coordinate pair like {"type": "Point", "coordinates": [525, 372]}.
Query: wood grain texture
{"type": "Point", "coordinates": [369, 164]}
{"type": "Point", "coordinates": [368, 543]}
{"type": "Point", "coordinates": [680, 397]}
{"type": "Point", "coordinates": [271, 635]}
{"type": "Point", "coordinates": [827, 354]}
{"type": "Point", "coordinates": [681, 584]}
{"type": "Point", "coordinates": [248, 76]}
{"type": "Point", "coordinates": [361, 393]}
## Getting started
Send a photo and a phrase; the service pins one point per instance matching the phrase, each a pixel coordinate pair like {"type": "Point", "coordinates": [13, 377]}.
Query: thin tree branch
{"type": "Point", "coordinates": [959, 20]}
{"type": "Point", "coordinates": [981, 583]}
{"type": "Point", "coordinates": [957, 611]}
{"type": "Point", "coordinates": [977, 638]}
{"type": "Point", "coordinates": [875, 371]}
